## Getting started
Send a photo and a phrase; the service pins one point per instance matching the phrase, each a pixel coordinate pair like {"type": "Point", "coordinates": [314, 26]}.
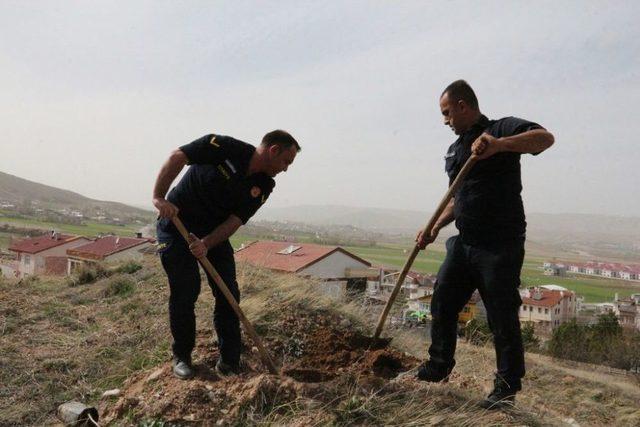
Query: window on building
{"type": "Point", "coordinates": [546, 311]}
{"type": "Point", "coordinates": [539, 310]}
{"type": "Point", "coordinates": [27, 259]}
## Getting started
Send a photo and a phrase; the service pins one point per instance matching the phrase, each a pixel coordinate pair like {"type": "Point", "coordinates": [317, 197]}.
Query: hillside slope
{"type": "Point", "coordinates": [61, 343]}
{"type": "Point", "coordinates": [18, 190]}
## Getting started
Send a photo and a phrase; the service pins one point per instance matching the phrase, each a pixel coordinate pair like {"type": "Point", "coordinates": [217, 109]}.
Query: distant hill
{"type": "Point", "coordinates": [579, 234]}
{"type": "Point", "coordinates": [27, 194]}
{"type": "Point", "coordinates": [376, 219]}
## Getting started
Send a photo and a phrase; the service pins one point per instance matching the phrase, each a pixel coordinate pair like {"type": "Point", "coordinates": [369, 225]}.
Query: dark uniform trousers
{"type": "Point", "coordinates": [184, 282]}
{"type": "Point", "coordinates": [495, 271]}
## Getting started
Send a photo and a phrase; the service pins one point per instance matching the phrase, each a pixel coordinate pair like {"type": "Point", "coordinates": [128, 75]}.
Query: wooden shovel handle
{"type": "Point", "coordinates": [232, 301]}
{"type": "Point", "coordinates": [426, 231]}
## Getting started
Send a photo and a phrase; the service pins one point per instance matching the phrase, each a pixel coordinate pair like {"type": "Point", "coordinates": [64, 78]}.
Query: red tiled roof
{"type": "Point", "coordinates": [549, 298]}
{"type": "Point", "coordinates": [265, 254]}
{"type": "Point", "coordinates": [105, 246]}
{"type": "Point", "coordinates": [34, 245]}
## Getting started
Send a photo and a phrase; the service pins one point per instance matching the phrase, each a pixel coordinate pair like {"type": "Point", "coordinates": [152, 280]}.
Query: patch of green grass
{"type": "Point", "coordinates": [4, 239]}
{"type": "Point", "coordinates": [64, 366]}
{"type": "Point", "coordinates": [119, 286]}
{"type": "Point", "coordinates": [88, 229]}
{"type": "Point", "coordinates": [128, 267]}
{"type": "Point", "coordinates": [238, 239]}
{"type": "Point", "coordinates": [593, 289]}
{"type": "Point", "coordinates": [86, 273]}
{"type": "Point", "coordinates": [132, 306]}
{"type": "Point", "coordinates": [427, 261]}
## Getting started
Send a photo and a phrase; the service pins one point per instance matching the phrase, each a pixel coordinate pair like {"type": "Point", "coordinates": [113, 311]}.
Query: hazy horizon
{"type": "Point", "coordinates": [98, 94]}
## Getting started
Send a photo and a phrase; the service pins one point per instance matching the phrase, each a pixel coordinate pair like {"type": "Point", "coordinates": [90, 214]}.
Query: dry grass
{"type": "Point", "coordinates": [60, 343]}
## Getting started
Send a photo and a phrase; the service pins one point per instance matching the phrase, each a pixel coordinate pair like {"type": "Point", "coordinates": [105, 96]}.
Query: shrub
{"type": "Point", "coordinates": [118, 286]}
{"type": "Point", "coordinates": [128, 267]}
{"type": "Point", "coordinates": [87, 273]}
{"type": "Point", "coordinates": [603, 343]}
{"type": "Point", "coordinates": [29, 280]}
{"type": "Point", "coordinates": [529, 339]}
{"type": "Point", "coordinates": [477, 332]}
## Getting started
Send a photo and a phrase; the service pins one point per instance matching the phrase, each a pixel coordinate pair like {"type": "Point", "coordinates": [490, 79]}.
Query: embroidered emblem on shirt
{"type": "Point", "coordinates": [255, 191]}
{"type": "Point", "coordinates": [224, 172]}
{"type": "Point", "coordinates": [213, 142]}
{"type": "Point", "coordinates": [233, 169]}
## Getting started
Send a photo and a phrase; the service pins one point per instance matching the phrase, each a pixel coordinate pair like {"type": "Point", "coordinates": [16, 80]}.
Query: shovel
{"type": "Point", "coordinates": [416, 249]}
{"type": "Point", "coordinates": [232, 301]}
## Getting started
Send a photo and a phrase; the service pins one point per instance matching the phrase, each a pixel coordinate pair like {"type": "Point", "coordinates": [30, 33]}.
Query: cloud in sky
{"type": "Point", "coordinates": [95, 95]}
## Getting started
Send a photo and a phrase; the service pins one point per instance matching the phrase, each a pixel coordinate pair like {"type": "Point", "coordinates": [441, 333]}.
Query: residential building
{"type": "Point", "coordinates": [627, 310]}
{"type": "Point", "coordinates": [107, 249]}
{"type": "Point", "coordinates": [32, 253]}
{"type": "Point", "coordinates": [415, 284]}
{"type": "Point", "coordinates": [341, 270]}
{"type": "Point", "coordinates": [554, 269]}
{"type": "Point", "coordinates": [422, 305]}
{"type": "Point", "coordinates": [547, 307]}
{"type": "Point", "coordinates": [604, 269]}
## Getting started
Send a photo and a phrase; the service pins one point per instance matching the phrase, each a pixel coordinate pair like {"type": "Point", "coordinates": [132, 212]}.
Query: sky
{"type": "Point", "coordinates": [95, 95]}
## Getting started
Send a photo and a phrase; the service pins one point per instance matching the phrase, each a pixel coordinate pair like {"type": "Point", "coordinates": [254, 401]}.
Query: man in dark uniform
{"type": "Point", "coordinates": [487, 254]}
{"type": "Point", "coordinates": [226, 184]}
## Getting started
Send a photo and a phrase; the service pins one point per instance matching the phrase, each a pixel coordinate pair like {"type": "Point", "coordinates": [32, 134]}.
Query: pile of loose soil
{"type": "Point", "coordinates": [318, 362]}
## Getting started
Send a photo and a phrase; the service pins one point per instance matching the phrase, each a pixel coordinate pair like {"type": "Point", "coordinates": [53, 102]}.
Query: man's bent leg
{"type": "Point", "coordinates": [452, 291]}
{"type": "Point", "coordinates": [184, 284]}
{"type": "Point", "coordinates": [225, 320]}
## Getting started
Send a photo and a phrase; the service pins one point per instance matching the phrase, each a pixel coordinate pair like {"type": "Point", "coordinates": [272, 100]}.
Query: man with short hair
{"type": "Point", "coordinates": [487, 254]}
{"type": "Point", "coordinates": [226, 184]}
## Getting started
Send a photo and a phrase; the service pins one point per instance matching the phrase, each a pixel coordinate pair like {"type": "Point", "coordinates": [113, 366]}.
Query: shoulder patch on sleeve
{"type": "Point", "coordinates": [213, 141]}
{"type": "Point", "coordinates": [255, 191]}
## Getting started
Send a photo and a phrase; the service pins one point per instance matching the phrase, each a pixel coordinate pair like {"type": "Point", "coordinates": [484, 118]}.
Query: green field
{"type": "Point", "coordinates": [393, 255]}
{"type": "Point", "coordinates": [427, 261]}
{"type": "Point", "coordinates": [591, 288]}
{"type": "Point", "coordinates": [4, 240]}
{"type": "Point", "coordinates": [89, 229]}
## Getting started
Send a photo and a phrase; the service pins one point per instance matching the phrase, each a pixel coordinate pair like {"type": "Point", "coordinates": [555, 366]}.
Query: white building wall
{"type": "Point", "coordinates": [529, 313]}
{"type": "Point", "coordinates": [128, 254]}
{"type": "Point", "coordinates": [332, 267]}
{"type": "Point", "coordinates": [7, 270]}
{"type": "Point", "coordinates": [26, 264]}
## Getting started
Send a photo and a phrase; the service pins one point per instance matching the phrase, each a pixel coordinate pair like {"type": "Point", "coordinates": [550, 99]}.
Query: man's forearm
{"type": "Point", "coordinates": [446, 217]}
{"type": "Point", "coordinates": [169, 171]}
{"type": "Point", "coordinates": [533, 141]}
{"type": "Point", "coordinates": [222, 232]}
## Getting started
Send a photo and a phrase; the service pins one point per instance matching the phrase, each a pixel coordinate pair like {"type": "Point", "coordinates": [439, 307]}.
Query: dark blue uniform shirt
{"type": "Point", "coordinates": [488, 206]}
{"type": "Point", "coordinates": [216, 185]}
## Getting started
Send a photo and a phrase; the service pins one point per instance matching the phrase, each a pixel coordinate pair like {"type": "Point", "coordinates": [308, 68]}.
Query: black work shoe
{"type": "Point", "coordinates": [430, 373]}
{"type": "Point", "coordinates": [224, 370]}
{"type": "Point", "coordinates": [503, 396]}
{"type": "Point", "coordinates": [182, 368]}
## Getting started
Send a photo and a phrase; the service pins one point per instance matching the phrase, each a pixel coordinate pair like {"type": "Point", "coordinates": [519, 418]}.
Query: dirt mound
{"type": "Point", "coordinates": [316, 360]}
